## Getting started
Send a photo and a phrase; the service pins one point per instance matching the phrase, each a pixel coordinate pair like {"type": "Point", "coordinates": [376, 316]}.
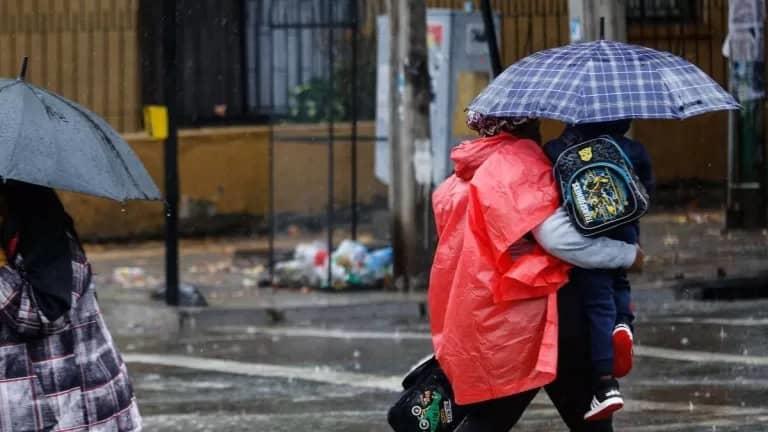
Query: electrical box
{"type": "Point", "coordinates": [460, 67]}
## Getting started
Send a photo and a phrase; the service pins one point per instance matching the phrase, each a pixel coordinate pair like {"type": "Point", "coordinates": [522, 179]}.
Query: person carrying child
{"type": "Point", "coordinates": [606, 292]}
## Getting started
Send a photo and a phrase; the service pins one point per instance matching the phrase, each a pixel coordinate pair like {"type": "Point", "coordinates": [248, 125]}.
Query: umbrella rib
{"type": "Point", "coordinates": [103, 135]}
{"type": "Point", "coordinates": [11, 84]}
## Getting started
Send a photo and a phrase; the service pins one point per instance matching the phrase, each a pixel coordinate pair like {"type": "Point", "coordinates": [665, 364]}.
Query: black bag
{"type": "Point", "coordinates": [599, 186]}
{"type": "Point", "coordinates": [427, 403]}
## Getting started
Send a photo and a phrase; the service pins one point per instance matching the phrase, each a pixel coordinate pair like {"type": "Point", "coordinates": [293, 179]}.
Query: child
{"type": "Point", "coordinates": [607, 292]}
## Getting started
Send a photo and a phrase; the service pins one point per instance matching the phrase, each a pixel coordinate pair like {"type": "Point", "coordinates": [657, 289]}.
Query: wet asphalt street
{"type": "Point", "coordinates": [333, 362]}
{"type": "Point", "coordinates": [700, 367]}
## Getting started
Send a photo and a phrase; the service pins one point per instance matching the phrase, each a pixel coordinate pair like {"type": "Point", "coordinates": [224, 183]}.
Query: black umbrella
{"type": "Point", "coordinates": [48, 140]}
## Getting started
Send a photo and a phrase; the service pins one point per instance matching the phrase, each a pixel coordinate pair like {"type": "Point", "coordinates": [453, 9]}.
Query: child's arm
{"type": "Point", "coordinates": [559, 237]}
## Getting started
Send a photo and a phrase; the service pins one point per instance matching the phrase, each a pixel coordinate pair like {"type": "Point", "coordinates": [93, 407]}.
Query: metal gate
{"type": "Point", "coordinates": [309, 61]}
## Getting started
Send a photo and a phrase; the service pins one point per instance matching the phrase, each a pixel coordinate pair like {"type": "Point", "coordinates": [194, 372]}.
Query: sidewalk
{"type": "Point", "coordinates": [695, 246]}
{"type": "Point", "coordinates": [676, 246]}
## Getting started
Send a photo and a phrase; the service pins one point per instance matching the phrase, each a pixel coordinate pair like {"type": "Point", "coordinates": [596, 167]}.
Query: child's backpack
{"type": "Point", "coordinates": [599, 186]}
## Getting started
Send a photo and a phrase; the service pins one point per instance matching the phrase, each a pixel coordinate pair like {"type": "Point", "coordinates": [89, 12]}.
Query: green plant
{"type": "Point", "coordinates": [315, 101]}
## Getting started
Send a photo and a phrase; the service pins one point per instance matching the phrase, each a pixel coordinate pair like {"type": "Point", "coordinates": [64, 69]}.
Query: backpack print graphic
{"type": "Point", "coordinates": [600, 188]}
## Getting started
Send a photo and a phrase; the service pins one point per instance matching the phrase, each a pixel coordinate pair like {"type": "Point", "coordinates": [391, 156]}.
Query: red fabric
{"type": "Point", "coordinates": [493, 317]}
{"type": "Point", "coordinates": [11, 247]}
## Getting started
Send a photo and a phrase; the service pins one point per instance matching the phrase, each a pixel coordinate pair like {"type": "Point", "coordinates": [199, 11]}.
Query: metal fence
{"type": "Point", "coordinates": [693, 29]}
{"type": "Point", "coordinates": [312, 72]}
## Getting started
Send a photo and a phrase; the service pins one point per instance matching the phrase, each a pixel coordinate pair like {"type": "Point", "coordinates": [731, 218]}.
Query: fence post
{"type": "Point", "coordinates": [584, 19]}
{"type": "Point", "coordinates": [746, 200]}
{"type": "Point", "coordinates": [171, 156]}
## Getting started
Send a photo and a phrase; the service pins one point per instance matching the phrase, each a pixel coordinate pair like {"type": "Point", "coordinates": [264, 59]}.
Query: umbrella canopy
{"type": "Point", "coordinates": [602, 81]}
{"type": "Point", "coordinates": [48, 140]}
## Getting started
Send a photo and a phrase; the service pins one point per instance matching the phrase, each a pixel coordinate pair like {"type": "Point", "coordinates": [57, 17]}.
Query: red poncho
{"type": "Point", "coordinates": [494, 317]}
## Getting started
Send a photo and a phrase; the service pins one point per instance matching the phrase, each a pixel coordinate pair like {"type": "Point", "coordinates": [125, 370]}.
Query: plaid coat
{"type": "Point", "coordinates": [64, 375]}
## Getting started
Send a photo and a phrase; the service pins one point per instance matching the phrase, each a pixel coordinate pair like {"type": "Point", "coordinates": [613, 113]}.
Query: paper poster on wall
{"type": "Point", "coordinates": [477, 40]}
{"type": "Point", "coordinates": [575, 27]}
{"type": "Point", "coordinates": [435, 39]}
{"type": "Point", "coordinates": [745, 14]}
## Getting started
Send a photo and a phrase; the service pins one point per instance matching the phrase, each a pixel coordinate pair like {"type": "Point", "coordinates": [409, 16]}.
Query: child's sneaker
{"type": "Point", "coordinates": [622, 350]}
{"type": "Point", "coordinates": [606, 401]}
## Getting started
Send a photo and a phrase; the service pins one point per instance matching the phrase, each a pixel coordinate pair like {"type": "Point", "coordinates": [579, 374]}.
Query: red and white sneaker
{"type": "Point", "coordinates": [606, 401]}
{"type": "Point", "coordinates": [622, 350]}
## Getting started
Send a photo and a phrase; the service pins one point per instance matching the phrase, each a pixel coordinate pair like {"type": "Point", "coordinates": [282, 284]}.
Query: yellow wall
{"type": "Point", "coordinates": [85, 50]}
{"type": "Point", "coordinates": [226, 170]}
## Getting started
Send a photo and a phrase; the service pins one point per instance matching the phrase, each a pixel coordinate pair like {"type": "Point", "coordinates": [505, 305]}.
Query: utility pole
{"type": "Point", "coordinates": [591, 20]}
{"type": "Point", "coordinates": [744, 47]}
{"type": "Point", "coordinates": [584, 19]}
{"type": "Point", "coordinates": [490, 29]}
{"type": "Point", "coordinates": [411, 155]}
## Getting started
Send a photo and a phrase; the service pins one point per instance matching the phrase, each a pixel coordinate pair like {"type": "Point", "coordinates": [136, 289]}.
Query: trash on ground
{"type": "Point", "coordinates": [352, 264]}
{"type": "Point", "coordinates": [133, 277]}
{"type": "Point", "coordinates": [671, 240]}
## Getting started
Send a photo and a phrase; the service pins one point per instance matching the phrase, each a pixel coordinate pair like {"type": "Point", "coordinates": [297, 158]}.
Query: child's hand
{"type": "Point", "coordinates": [637, 266]}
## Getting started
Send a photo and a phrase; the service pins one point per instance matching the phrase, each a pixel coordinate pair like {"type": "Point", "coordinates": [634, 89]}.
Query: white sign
{"type": "Point", "coordinates": [576, 33]}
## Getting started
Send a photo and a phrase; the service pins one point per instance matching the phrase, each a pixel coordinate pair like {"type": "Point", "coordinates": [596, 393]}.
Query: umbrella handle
{"type": "Point", "coordinates": [23, 72]}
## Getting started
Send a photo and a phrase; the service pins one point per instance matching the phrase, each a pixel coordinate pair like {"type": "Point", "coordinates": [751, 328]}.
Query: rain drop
{"type": "Point", "coordinates": [356, 354]}
{"type": "Point", "coordinates": [684, 341]}
{"type": "Point", "coordinates": [690, 406]}
{"type": "Point", "coordinates": [723, 334]}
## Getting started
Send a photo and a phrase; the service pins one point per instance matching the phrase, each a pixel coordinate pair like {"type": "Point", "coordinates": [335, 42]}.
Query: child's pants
{"type": "Point", "coordinates": [606, 298]}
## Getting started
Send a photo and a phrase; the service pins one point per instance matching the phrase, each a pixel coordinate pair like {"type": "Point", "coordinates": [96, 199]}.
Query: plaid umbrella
{"type": "Point", "coordinates": [602, 81]}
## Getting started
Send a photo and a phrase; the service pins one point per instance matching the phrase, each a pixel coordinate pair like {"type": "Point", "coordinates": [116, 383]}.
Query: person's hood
{"type": "Point", "coordinates": [592, 130]}
{"type": "Point", "coordinates": [469, 155]}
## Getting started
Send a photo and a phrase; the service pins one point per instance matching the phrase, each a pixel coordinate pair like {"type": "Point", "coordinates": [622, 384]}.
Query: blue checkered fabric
{"type": "Point", "coordinates": [602, 81]}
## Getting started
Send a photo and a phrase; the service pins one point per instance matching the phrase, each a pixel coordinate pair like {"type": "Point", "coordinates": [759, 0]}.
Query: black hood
{"type": "Point", "coordinates": [592, 130]}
